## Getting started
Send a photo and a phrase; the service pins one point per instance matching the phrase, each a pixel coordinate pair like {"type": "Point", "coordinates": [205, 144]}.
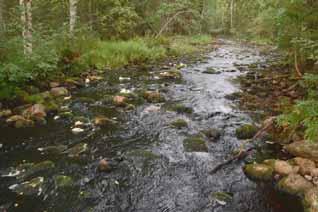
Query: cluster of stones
{"type": "Point", "coordinates": [297, 176]}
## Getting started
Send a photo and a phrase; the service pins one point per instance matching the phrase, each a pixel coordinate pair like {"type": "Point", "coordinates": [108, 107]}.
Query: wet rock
{"type": "Point", "coordinates": [179, 124]}
{"type": "Point", "coordinates": [77, 130]}
{"type": "Point", "coordinates": [120, 101]}
{"type": "Point", "coordinates": [19, 122]}
{"type": "Point", "coordinates": [314, 172]}
{"type": "Point", "coordinates": [294, 184]}
{"type": "Point", "coordinates": [35, 112]}
{"type": "Point", "coordinates": [59, 149]}
{"type": "Point", "coordinates": [104, 166]}
{"type": "Point", "coordinates": [77, 150]}
{"type": "Point", "coordinates": [259, 172]}
{"type": "Point", "coordinates": [32, 187]}
{"type": "Point", "coordinates": [62, 181]}
{"type": "Point", "coordinates": [153, 97]}
{"type": "Point", "coordinates": [172, 74]}
{"type": "Point", "coordinates": [310, 200]}
{"type": "Point", "coordinates": [195, 144]}
{"type": "Point", "coordinates": [179, 108]}
{"type": "Point", "coordinates": [213, 134]}
{"type": "Point", "coordinates": [103, 121]}
{"type": "Point", "coordinates": [305, 165]}
{"type": "Point", "coordinates": [222, 197]}
{"type": "Point", "coordinates": [304, 149]}
{"type": "Point", "coordinates": [246, 131]}
{"type": "Point", "coordinates": [59, 91]}
{"type": "Point", "coordinates": [5, 113]}
{"type": "Point", "coordinates": [283, 168]}
{"type": "Point", "coordinates": [211, 71]}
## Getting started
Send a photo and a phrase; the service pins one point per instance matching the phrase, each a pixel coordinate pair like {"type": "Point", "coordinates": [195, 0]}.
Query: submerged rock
{"type": "Point", "coordinates": [195, 144]}
{"type": "Point", "coordinates": [179, 108]}
{"type": "Point", "coordinates": [32, 187]}
{"type": "Point", "coordinates": [77, 130]}
{"type": "Point", "coordinates": [5, 113]}
{"type": "Point", "coordinates": [213, 134]}
{"type": "Point", "coordinates": [211, 71]}
{"type": "Point", "coordinates": [35, 169]}
{"type": "Point", "coordinates": [294, 184]}
{"type": "Point", "coordinates": [59, 149]}
{"type": "Point", "coordinates": [246, 131]}
{"type": "Point", "coordinates": [77, 150]}
{"type": "Point", "coordinates": [259, 171]}
{"type": "Point", "coordinates": [172, 74]}
{"type": "Point", "coordinates": [59, 91]}
{"type": "Point", "coordinates": [120, 101]}
{"type": "Point", "coordinates": [179, 124]}
{"type": "Point", "coordinates": [222, 197]}
{"type": "Point", "coordinates": [304, 149]}
{"type": "Point", "coordinates": [62, 181]}
{"type": "Point", "coordinates": [104, 166]}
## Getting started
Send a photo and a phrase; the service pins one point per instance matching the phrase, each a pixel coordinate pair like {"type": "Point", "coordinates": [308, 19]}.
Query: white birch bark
{"type": "Point", "coordinates": [26, 21]}
{"type": "Point", "coordinates": [73, 15]}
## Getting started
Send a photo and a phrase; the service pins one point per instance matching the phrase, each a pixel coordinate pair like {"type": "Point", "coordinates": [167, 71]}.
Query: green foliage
{"type": "Point", "coordinates": [305, 113]}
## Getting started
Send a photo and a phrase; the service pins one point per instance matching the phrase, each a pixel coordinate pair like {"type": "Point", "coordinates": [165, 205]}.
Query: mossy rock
{"type": "Point", "coordinates": [259, 172]}
{"type": "Point", "coordinates": [246, 131]}
{"type": "Point", "coordinates": [34, 99]}
{"type": "Point", "coordinates": [213, 134]}
{"type": "Point", "coordinates": [180, 108]}
{"type": "Point", "coordinates": [195, 144]}
{"type": "Point", "coordinates": [179, 124]}
{"type": "Point", "coordinates": [62, 181]}
{"type": "Point", "coordinates": [153, 97]}
{"type": "Point", "coordinates": [211, 71]}
{"type": "Point", "coordinates": [294, 184]}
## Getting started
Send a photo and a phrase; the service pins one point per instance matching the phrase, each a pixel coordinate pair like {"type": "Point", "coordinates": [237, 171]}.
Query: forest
{"type": "Point", "coordinates": [159, 105]}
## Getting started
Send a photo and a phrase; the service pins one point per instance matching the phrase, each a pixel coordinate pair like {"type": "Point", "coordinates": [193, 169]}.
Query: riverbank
{"type": "Point", "coordinates": [290, 164]}
{"type": "Point", "coordinates": [27, 103]}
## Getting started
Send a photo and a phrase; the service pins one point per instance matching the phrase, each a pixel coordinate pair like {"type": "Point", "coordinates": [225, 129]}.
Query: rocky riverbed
{"type": "Point", "coordinates": [142, 138]}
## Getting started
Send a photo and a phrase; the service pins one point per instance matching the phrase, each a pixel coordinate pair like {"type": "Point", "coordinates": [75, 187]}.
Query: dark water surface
{"type": "Point", "coordinates": [151, 170]}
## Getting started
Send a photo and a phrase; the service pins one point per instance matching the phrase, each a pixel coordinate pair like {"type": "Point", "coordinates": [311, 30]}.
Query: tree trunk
{"type": "Point", "coordinates": [26, 20]}
{"type": "Point", "coordinates": [73, 15]}
{"type": "Point", "coordinates": [232, 13]}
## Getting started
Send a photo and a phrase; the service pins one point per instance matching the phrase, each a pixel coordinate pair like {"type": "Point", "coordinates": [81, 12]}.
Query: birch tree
{"type": "Point", "coordinates": [232, 12]}
{"type": "Point", "coordinates": [2, 22]}
{"type": "Point", "coordinates": [26, 20]}
{"type": "Point", "coordinates": [73, 15]}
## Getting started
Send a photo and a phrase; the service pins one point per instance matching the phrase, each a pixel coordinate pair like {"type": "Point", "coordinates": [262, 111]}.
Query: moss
{"type": "Point", "coordinates": [195, 144]}
{"type": "Point", "coordinates": [179, 124]}
{"type": "Point", "coordinates": [259, 171]}
{"type": "Point", "coordinates": [179, 108]}
{"type": "Point", "coordinates": [213, 134]}
{"type": "Point", "coordinates": [246, 131]}
{"type": "Point", "coordinates": [211, 71]}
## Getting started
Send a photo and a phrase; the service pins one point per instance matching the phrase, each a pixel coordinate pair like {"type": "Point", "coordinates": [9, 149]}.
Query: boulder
{"type": "Point", "coordinates": [283, 168]}
{"type": "Point", "coordinates": [304, 149]}
{"type": "Point", "coordinates": [305, 165]}
{"type": "Point", "coordinates": [120, 101]}
{"type": "Point", "coordinates": [259, 171]}
{"type": "Point", "coordinates": [294, 184]}
{"type": "Point", "coordinates": [59, 91]}
{"type": "Point", "coordinates": [310, 200]}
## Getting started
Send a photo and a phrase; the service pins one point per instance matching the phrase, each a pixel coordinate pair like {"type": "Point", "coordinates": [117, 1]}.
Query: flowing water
{"type": "Point", "coordinates": [150, 169]}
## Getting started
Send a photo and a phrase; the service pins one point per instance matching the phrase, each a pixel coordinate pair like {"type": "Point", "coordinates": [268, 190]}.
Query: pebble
{"type": "Point", "coordinates": [77, 130]}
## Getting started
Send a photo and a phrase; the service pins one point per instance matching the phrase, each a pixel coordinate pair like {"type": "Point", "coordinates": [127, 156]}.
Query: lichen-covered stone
{"type": "Point", "coordinates": [259, 172]}
{"type": "Point", "coordinates": [294, 184]}
{"type": "Point", "coordinates": [195, 144]}
{"type": "Point", "coordinates": [246, 131]}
